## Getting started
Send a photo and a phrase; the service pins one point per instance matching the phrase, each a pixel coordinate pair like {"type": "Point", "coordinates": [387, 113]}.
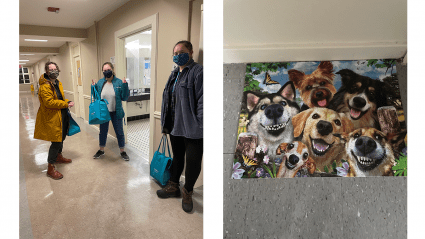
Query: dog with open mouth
{"type": "Point", "coordinates": [316, 89]}
{"type": "Point", "coordinates": [316, 128]}
{"type": "Point", "coordinates": [269, 116]}
{"type": "Point", "coordinates": [359, 98]}
{"type": "Point", "coordinates": [295, 157]}
{"type": "Point", "coordinates": [370, 152]}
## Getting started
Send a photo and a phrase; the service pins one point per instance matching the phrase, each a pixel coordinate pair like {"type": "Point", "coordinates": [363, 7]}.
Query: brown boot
{"type": "Point", "coordinates": [51, 172]}
{"type": "Point", "coordinates": [170, 190]}
{"type": "Point", "coordinates": [187, 203]}
{"type": "Point", "coordinates": [61, 159]}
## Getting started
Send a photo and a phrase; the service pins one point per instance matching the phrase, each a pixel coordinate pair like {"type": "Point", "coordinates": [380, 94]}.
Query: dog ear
{"type": "Point", "coordinates": [396, 139]}
{"type": "Point", "coordinates": [296, 77]}
{"type": "Point", "coordinates": [288, 91]}
{"type": "Point", "coordinates": [311, 165]}
{"type": "Point", "coordinates": [347, 75]}
{"type": "Point", "coordinates": [347, 125]}
{"type": "Point", "coordinates": [298, 121]}
{"type": "Point", "coordinates": [281, 148]}
{"type": "Point", "coordinates": [326, 67]}
{"type": "Point", "coordinates": [251, 100]}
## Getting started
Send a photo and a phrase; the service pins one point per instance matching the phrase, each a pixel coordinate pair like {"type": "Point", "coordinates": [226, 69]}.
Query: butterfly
{"type": "Point", "coordinates": [268, 80]}
{"type": "Point", "coordinates": [248, 162]}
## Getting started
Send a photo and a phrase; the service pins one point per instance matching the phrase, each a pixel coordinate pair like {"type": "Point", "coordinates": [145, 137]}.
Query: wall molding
{"type": "Point", "coordinates": [87, 97]}
{"type": "Point", "coordinates": [313, 51]}
{"type": "Point", "coordinates": [68, 92]}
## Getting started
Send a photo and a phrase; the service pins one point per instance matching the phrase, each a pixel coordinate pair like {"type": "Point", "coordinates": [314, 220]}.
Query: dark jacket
{"type": "Point", "coordinates": [188, 121]}
{"type": "Point", "coordinates": [121, 93]}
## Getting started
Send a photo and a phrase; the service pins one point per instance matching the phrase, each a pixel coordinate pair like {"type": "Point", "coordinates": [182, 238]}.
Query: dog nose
{"type": "Point", "coordinates": [365, 145]}
{"type": "Point", "coordinates": [324, 128]}
{"type": "Point", "coordinates": [319, 94]}
{"type": "Point", "coordinates": [274, 111]}
{"type": "Point", "coordinates": [359, 102]}
{"type": "Point", "coordinates": [293, 159]}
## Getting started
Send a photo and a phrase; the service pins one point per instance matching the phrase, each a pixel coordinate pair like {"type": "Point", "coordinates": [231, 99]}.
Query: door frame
{"type": "Point", "coordinates": [120, 67]}
{"type": "Point", "coordinates": [72, 55]}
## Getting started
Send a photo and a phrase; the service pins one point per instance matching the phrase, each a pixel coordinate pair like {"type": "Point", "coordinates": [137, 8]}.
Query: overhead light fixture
{"type": "Point", "coordinates": [35, 40]}
{"type": "Point", "coordinates": [24, 60]}
{"type": "Point", "coordinates": [27, 54]}
{"type": "Point", "coordinates": [22, 63]}
{"type": "Point", "coordinates": [147, 32]}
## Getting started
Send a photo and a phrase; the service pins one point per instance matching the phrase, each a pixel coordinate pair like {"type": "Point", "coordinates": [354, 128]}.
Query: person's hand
{"type": "Point", "coordinates": [70, 104]}
{"type": "Point", "coordinates": [93, 82]}
{"type": "Point", "coordinates": [123, 80]}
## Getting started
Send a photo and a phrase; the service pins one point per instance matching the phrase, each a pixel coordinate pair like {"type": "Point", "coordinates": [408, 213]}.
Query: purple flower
{"type": "Point", "coordinates": [267, 175]}
{"type": "Point", "coordinates": [266, 159]}
{"type": "Point", "coordinates": [343, 171]}
{"type": "Point", "coordinates": [237, 172]}
{"type": "Point", "coordinates": [259, 172]}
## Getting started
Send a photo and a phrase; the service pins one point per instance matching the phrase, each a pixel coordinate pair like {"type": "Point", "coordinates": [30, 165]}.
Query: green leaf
{"type": "Point", "coordinates": [257, 72]}
{"type": "Point", "coordinates": [274, 169]}
{"type": "Point", "coordinates": [244, 176]}
{"type": "Point", "coordinates": [252, 175]}
{"type": "Point", "coordinates": [380, 66]}
{"type": "Point", "coordinates": [326, 169]}
{"type": "Point", "coordinates": [371, 62]}
{"type": "Point", "coordinates": [268, 170]}
{"type": "Point", "coordinates": [334, 165]}
{"type": "Point", "coordinates": [235, 161]}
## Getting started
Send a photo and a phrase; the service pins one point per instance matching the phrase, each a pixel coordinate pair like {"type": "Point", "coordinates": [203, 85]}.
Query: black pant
{"type": "Point", "coordinates": [193, 148]}
{"type": "Point", "coordinates": [56, 147]}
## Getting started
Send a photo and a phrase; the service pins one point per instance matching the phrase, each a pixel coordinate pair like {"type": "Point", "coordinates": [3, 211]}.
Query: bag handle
{"type": "Point", "coordinates": [159, 146]}
{"type": "Point", "coordinates": [94, 93]}
{"type": "Point", "coordinates": [168, 146]}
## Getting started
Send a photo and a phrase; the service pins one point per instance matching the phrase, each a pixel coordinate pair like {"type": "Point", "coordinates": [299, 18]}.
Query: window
{"type": "Point", "coordinates": [24, 77]}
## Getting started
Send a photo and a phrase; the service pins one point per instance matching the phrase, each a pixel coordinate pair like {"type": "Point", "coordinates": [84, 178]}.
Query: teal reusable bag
{"type": "Point", "coordinates": [98, 109]}
{"type": "Point", "coordinates": [73, 126]}
{"type": "Point", "coordinates": [160, 164]}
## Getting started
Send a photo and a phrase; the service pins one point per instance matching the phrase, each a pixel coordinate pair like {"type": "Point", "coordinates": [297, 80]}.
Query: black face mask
{"type": "Point", "coordinates": [107, 73]}
{"type": "Point", "coordinates": [53, 74]}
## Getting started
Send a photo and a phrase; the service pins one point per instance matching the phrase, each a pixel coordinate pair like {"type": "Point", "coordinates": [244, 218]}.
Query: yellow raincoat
{"type": "Point", "coordinates": [48, 124]}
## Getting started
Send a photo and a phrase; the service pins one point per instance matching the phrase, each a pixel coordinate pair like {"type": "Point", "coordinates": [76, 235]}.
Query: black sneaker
{"type": "Point", "coordinates": [98, 154]}
{"type": "Point", "coordinates": [125, 156]}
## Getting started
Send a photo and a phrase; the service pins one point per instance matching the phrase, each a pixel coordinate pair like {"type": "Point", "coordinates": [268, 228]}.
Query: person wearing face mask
{"type": "Point", "coordinates": [182, 119]}
{"type": "Point", "coordinates": [114, 90]}
{"type": "Point", "coordinates": [52, 122]}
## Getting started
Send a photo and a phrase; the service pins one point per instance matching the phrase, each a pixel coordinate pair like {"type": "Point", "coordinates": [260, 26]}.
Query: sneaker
{"type": "Point", "coordinates": [125, 156]}
{"type": "Point", "coordinates": [187, 202]}
{"type": "Point", "coordinates": [98, 154]}
{"type": "Point", "coordinates": [170, 190]}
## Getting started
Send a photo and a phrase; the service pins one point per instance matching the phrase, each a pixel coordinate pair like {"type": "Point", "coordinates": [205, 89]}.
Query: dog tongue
{"type": "Point", "coordinates": [322, 103]}
{"type": "Point", "coordinates": [320, 146]}
{"type": "Point", "coordinates": [355, 113]}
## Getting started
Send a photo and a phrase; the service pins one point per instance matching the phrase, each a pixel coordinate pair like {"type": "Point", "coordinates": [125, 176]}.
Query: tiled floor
{"type": "Point", "coordinates": [97, 198]}
{"type": "Point", "coordinates": [138, 135]}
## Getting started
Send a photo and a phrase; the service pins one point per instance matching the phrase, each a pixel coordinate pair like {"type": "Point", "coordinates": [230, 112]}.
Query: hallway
{"type": "Point", "coordinates": [97, 198]}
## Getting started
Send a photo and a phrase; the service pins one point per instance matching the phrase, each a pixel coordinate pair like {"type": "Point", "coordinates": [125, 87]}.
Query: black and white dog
{"type": "Point", "coordinates": [270, 117]}
{"type": "Point", "coordinates": [359, 98]}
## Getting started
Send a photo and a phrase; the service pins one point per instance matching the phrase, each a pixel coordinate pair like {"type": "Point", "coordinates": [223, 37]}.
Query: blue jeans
{"type": "Point", "coordinates": [117, 123]}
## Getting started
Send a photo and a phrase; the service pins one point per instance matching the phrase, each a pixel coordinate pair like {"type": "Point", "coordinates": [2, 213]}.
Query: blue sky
{"type": "Point", "coordinates": [360, 67]}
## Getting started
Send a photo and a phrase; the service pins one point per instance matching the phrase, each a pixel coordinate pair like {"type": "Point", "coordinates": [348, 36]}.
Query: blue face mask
{"type": "Point", "coordinates": [181, 59]}
{"type": "Point", "coordinates": [107, 73]}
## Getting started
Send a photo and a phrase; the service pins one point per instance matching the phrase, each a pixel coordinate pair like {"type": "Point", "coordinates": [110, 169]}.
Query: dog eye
{"type": "Point", "coordinates": [378, 137]}
{"type": "Point", "coordinates": [309, 87]}
{"type": "Point", "coordinates": [315, 116]}
{"type": "Point", "coordinates": [305, 155]}
{"type": "Point", "coordinates": [337, 122]}
{"type": "Point", "coordinates": [283, 103]}
{"type": "Point", "coordinates": [290, 146]}
{"type": "Point", "coordinates": [323, 83]}
{"type": "Point", "coordinates": [263, 107]}
{"type": "Point", "coordinates": [356, 135]}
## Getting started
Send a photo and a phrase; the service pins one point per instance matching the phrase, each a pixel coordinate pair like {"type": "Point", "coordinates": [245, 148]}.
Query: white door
{"type": "Point", "coordinates": [78, 74]}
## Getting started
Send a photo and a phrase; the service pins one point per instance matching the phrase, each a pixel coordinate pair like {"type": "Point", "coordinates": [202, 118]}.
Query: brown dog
{"type": "Point", "coordinates": [316, 128]}
{"type": "Point", "coordinates": [370, 152]}
{"type": "Point", "coordinates": [295, 157]}
{"type": "Point", "coordinates": [316, 89]}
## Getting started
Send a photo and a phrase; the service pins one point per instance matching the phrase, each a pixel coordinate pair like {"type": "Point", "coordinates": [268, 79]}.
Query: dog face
{"type": "Point", "coordinates": [295, 156]}
{"type": "Point", "coordinates": [270, 115]}
{"type": "Point", "coordinates": [316, 89]}
{"type": "Point", "coordinates": [370, 152]}
{"type": "Point", "coordinates": [317, 128]}
{"type": "Point", "coordinates": [359, 97]}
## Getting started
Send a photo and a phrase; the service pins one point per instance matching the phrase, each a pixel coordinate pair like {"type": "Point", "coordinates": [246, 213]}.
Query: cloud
{"type": "Point", "coordinates": [306, 66]}
{"type": "Point", "coordinates": [272, 88]}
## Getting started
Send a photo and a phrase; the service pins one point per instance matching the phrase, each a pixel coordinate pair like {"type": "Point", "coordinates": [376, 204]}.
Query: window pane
{"type": "Point", "coordinates": [20, 70]}
{"type": "Point", "coordinates": [21, 77]}
{"type": "Point", "coordinates": [25, 70]}
{"type": "Point", "coordinates": [26, 77]}
{"type": "Point", "coordinates": [27, 81]}
{"type": "Point", "coordinates": [21, 81]}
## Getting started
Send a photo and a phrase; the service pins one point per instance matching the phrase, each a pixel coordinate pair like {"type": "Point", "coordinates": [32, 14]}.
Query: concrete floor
{"type": "Point", "coordinates": [97, 198]}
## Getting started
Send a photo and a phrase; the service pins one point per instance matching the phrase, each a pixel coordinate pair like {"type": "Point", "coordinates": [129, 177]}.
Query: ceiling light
{"type": "Point", "coordinates": [147, 32]}
{"type": "Point", "coordinates": [22, 63]}
{"type": "Point", "coordinates": [27, 54]}
{"type": "Point", "coordinates": [24, 60]}
{"type": "Point", "coordinates": [35, 40]}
